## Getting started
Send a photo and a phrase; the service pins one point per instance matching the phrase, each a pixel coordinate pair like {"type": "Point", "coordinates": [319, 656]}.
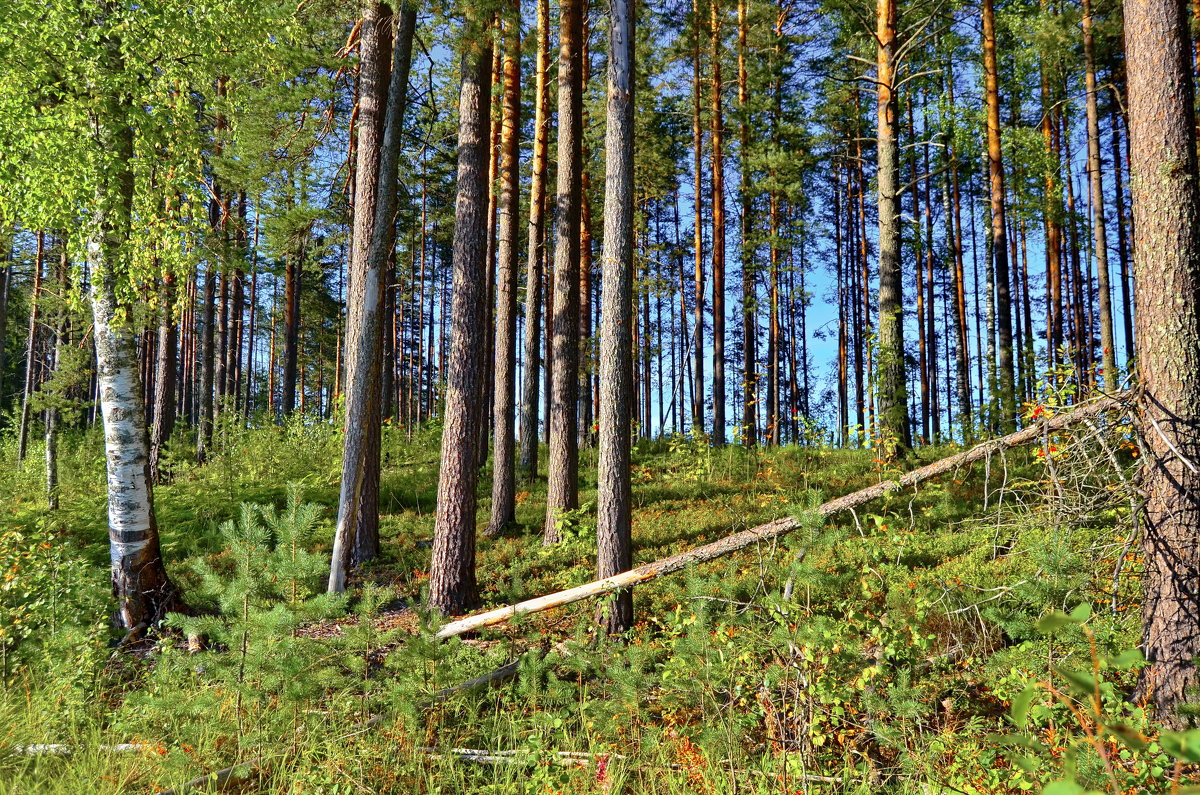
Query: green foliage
{"type": "Point", "coordinates": [899, 646]}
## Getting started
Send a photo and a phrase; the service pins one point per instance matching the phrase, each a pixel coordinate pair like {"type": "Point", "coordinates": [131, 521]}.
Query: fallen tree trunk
{"type": "Point", "coordinates": [780, 527]}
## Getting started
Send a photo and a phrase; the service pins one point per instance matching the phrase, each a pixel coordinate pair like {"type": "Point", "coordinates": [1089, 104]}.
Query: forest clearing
{"type": "Point", "coordinates": [738, 396]}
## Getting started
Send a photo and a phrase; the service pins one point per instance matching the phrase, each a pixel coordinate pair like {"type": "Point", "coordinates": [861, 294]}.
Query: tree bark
{"type": "Point", "coordinates": [563, 466]}
{"type": "Point", "coordinates": [698, 234]}
{"type": "Point", "coordinates": [5, 289]}
{"type": "Point", "coordinates": [749, 275]}
{"type": "Point", "coordinates": [1108, 346]}
{"type": "Point", "coordinates": [452, 586]}
{"type": "Point", "coordinates": [892, 391]}
{"type": "Point", "coordinates": [614, 491]}
{"type": "Point", "coordinates": [31, 347]}
{"type": "Point", "coordinates": [1166, 211]}
{"type": "Point", "coordinates": [717, 132]}
{"type": "Point", "coordinates": [537, 252]}
{"type": "Point", "coordinates": [381, 115]}
{"type": "Point", "coordinates": [503, 474]}
{"type": "Point", "coordinates": [140, 583]}
{"type": "Point", "coordinates": [164, 381]}
{"type": "Point", "coordinates": [995, 159]}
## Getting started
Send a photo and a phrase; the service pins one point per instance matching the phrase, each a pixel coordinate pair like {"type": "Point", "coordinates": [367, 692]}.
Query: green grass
{"type": "Point", "coordinates": [883, 658]}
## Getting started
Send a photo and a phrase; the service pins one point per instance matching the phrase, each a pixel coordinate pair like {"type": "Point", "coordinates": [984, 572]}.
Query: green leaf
{"type": "Point", "coordinates": [1062, 787]}
{"type": "Point", "coordinates": [1080, 682]}
{"type": "Point", "coordinates": [1184, 746]}
{"type": "Point", "coordinates": [1054, 621]}
{"type": "Point", "coordinates": [1020, 705]}
{"type": "Point", "coordinates": [1082, 613]}
{"type": "Point", "coordinates": [1128, 735]}
{"type": "Point", "coordinates": [1127, 659]}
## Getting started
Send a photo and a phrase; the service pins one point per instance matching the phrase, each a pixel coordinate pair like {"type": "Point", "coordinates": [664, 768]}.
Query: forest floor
{"type": "Point", "coordinates": [970, 636]}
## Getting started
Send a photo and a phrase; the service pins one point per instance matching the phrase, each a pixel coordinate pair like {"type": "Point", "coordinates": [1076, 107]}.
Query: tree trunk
{"type": "Point", "coordinates": [452, 587]}
{"type": "Point", "coordinates": [1122, 236]}
{"type": "Point", "coordinates": [749, 287]}
{"type": "Point", "coordinates": [953, 204]}
{"type": "Point", "coordinates": [533, 269]}
{"type": "Point", "coordinates": [503, 475]}
{"type": "Point", "coordinates": [563, 466]}
{"type": "Point", "coordinates": [1053, 222]}
{"type": "Point", "coordinates": [718, 229]}
{"type": "Point", "coordinates": [1008, 395]}
{"type": "Point", "coordinates": [698, 234]}
{"type": "Point", "coordinates": [892, 391]}
{"type": "Point", "coordinates": [31, 346]}
{"type": "Point", "coordinates": [5, 289]}
{"type": "Point", "coordinates": [1166, 211]}
{"type": "Point", "coordinates": [1108, 352]}
{"type": "Point", "coordinates": [164, 380]}
{"type": "Point", "coordinates": [614, 491]}
{"type": "Point", "coordinates": [144, 592]}
{"type": "Point", "coordinates": [381, 115]}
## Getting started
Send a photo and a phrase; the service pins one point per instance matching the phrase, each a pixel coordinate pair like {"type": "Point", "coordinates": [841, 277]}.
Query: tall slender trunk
{"type": "Point", "coordinates": [293, 271]}
{"type": "Point", "coordinates": [749, 275]}
{"type": "Point", "coordinates": [698, 233]}
{"type": "Point", "coordinates": [164, 393]}
{"type": "Point", "coordinates": [1052, 221]}
{"type": "Point", "coordinates": [503, 474]}
{"type": "Point", "coordinates": [1108, 352]}
{"type": "Point", "coordinates": [31, 347]}
{"type": "Point", "coordinates": [527, 463]}
{"type": "Point", "coordinates": [452, 584]}
{"type": "Point", "coordinates": [930, 313]}
{"type": "Point", "coordinates": [144, 592]}
{"type": "Point", "coordinates": [953, 210]}
{"type": "Point", "coordinates": [5, 289]}
{"type": "Point", "coordinates": [587, 354]}
{"type": "Point", "coordinates": [995, 158]}
{"type": "Point", "coordinates": [1122, 235]}
{"type": "Point", "coordinates": [52, 412]}
{"type": "Point", "coordinates": [483, 421]}
{"type": "Point", "coordinates": [923, 359]}
{"type": "Point", "coordinates": [717, 135]}
{"type": "Point", "coordinates": [381, 116]}
{"type": "Point", "coordinates": [563, 465]}
{"type": "Point", "coordinates": [892, 388]}
{"type": "Point", "coordinates": [843, 406]}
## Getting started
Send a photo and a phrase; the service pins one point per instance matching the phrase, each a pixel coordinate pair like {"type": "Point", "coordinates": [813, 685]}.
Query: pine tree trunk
{"type": "Point", "coordinates": [892, 390]}
{"type": "Point", "coordinates": [563, 465]}
{"type": "Point", "coordinates": [1122, 236]}
{"type": "Point", "coordinates": [953, 204]}
{"type": "Point", "coordinates": [1166, 211]}
{"type": "Point", "coordinates": [164, 392]}
{"type": "Point", "coordinates": [614, 491]}
{"type": "Point", "coordinates": [1007, 387]}
{"type": "Point", "coordinates": [527, 463]}
{"type": "Point", "coordinates": [503, 474]}
{"type": "Point", "coordinates": [749, 276]}
{"type": "Point", "coordinates": [1108, 352]}
{"type": "Point", "coordinates": [381, 116]}
{"type": "Point", "coordinates": [698, 234]}
{"type": "Point", "coordinates": [1052, 221]}
{"type": "Point", "coordinates": [452, 586]}
{"type": "Point", "coordinates": [718, 229]}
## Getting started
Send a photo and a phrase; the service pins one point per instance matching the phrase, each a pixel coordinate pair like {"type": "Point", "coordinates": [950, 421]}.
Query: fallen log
{"type": "Point", "coordinates": [780, 527]}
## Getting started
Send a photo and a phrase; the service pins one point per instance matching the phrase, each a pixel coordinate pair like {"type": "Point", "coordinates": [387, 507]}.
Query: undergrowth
{"type": "Point", "coordinates": [969, 636]}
